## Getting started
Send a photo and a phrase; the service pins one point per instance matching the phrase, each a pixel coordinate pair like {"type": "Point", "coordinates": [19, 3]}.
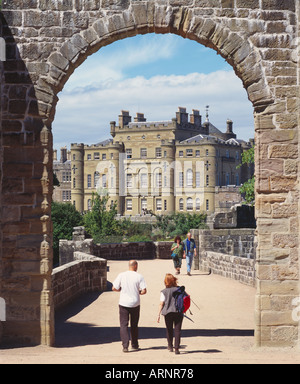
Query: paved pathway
{"type": "Point", "coordinates": [87, 331]}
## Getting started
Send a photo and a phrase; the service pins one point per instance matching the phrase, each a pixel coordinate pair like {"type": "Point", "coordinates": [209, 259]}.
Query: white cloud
{"type": "Point", "coordinates": [84, 114]}
{"type": "Point", "coordinates": [111, 64]}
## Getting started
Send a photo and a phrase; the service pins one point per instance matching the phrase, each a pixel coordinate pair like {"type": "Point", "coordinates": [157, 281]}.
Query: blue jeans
{"type": "Point", "coordinates": [189, 261]}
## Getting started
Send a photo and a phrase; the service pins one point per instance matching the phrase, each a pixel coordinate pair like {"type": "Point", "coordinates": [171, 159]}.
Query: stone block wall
{"type": "Point", "coordinates": [234, 242]}
{"type": "Point", "coordinates": [85, 274]}
{"type": "Point", "coordinates": [68, 247]}
{"type": "Point", "coordinates": [232, 267]}
{"type": "Point", "coordinates": [163, 249]}
{"type": "Point", "coordinates": [125, 251]}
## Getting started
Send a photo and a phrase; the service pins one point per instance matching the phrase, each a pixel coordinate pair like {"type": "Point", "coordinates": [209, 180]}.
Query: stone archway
{"type": "Point", "coordinates": [47, 40]}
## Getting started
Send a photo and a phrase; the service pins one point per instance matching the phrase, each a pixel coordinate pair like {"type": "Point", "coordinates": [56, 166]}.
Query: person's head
{"type": "Point", "coordinates": [189, 235]}
{"type": "Point", "coordinates": [170, 281]}
{"type": "Point", "coordinates": [177, 239]}
{"type": "Point", "coordinates": [133, 265]}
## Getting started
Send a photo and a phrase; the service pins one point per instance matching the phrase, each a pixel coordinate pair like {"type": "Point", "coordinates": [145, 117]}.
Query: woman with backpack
{"type": "Point", "coordinates": [167, 308]}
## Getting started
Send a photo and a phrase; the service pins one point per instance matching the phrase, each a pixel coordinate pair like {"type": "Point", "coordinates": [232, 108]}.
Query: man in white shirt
{"type": "Point", "coordinates": [131, 285]}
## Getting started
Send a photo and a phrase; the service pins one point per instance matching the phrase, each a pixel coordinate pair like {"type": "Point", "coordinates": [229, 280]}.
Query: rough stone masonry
{"type": "Point", "coordinates": [47, 39]}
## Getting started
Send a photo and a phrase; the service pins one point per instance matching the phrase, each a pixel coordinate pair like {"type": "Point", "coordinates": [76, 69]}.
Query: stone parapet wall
{"type": "Point", "coordinates": [114, 251]}
{"type": "Point", "coordinates": [232, 267]}
{"type": "Point", "coordinates": [125, 251]}
{"type": "Point", "coordinates": [68, 247]}
{"type": "Point", "coordinates": [163, 249]}
{"type": "Point", "coordinates": [85, 274]}
{"type": "Point", "coordinates": [234, 242]}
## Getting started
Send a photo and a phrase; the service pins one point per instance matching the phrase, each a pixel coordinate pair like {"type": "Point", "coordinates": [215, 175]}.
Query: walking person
{"type": "Point", "coordinates": [167, 308]}
{"type": "Point", "coordinates": [177, 254]}
{"type": "Point", "coordinates": [189, 252]}
{"type": "Point", "coordinates": [131, 285]}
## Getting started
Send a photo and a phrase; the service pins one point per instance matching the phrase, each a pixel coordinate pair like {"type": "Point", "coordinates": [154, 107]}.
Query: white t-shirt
{"type": "Point", "coordinates": [131, 283]}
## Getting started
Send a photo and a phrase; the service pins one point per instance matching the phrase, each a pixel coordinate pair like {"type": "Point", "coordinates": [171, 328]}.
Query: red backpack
{"type": "Point", "coordinates": [182, 300]}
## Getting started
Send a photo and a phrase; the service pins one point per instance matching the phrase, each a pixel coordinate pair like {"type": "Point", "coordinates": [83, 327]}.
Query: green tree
{"type": "Point", "coordinates": [100, 222]}
{"type": "Point", "coordinates": [179, 223]}
{"type": "Point", "coordinates": [248, 188]}
{"type": "Point", "coordinates": [64, 218]}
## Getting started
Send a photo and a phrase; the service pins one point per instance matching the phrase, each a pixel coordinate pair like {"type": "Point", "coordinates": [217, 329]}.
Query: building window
{"type": "Point", "coordinates": [165, 205]}
{"type": "Point", "coordinates": [207, 180]}
{"type": "Point", "coordinates": [89, 156]}
{"type": "Point", "coordinates": [112, 156]}
{"type": "Point", "coordinates": [180, 179]}
{"type": "Point", "coordinates": [197, 179]}
{"type": "Point", "coordinates": [104, 183]}
{"type": "Point", "coordinates": [144, 204]}
{"type": "Point", "coordinates": [237, 179]}
{"type": "Point", "coordinates": [129, 153]}
{"type": "Point", "coordinates": [189, 204]}
{"type": "Point", "coordinates": [143, 153]}
{"type": "Point", "coordinates": [158, 180]}
{"type": "Point", "coordinates": [180, 153]}
{"type": "Point", "coordinates": [74, 183]}
{"type": "Point", "coordinates": [189, 178]}
{"type": "Point", "coordinates": [189, 152]}
{"type": "Point", "coordinates": [89, 204]}
{"type": "Point", "coordinates": [198, 204]}
{"type": "Point", "coordinates": [207, 205]}
{"type": "Point", "coordinates": [165, 154]}
{"type": "Point", "coordinates": [158, 152]}
{"type": "Point", "coordinates": [165, 181]}
{"type": "Point", "coordinates": [96, 156]}
{"type": "Point", "coordinates": [227, 154]}
{"type": "Point", "coordinates": [89, 181]}
{"type": "Point", "coordinates": [197, 153]}
{"type": "Point", "coordinates": [227, 179]}
{"type": "Point", "coordinates": [96, 179]}
{"type": "Point", "coordinates": [181, 206]}
{"type": "Point", "coordinates": [103, 156]}
{"type": "Point", "coordinates": [207, 152]}
{"type": "Point", "coordinates": [237, 155]}
{"type": "Point", "coordinates": [129, 204]}
{"type": "Point", "coordinates": [129, 180]}
{"type": "Point", "coordinates": [158, 205]}
{"type": "Point", "coordinates": [144, 180]}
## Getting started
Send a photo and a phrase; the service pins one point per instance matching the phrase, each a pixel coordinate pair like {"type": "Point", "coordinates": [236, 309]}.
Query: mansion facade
{"type": "Point", "coordinates": [159, 167]}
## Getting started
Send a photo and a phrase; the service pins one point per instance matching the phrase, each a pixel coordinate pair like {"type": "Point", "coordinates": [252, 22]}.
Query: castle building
{"type": "Point", "coordinates": [161, 166]}
{"type": "Point", "coordinates": [62, 170]}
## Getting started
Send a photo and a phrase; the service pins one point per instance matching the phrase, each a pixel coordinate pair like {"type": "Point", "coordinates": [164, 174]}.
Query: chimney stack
{"type": "Point", "coordinates": [196, 118]}
{"type": "Point", "coordinates": [140, 118]}
{"type": "Point", "coordinates": [124, 119]}
{"type": "Point", "coordinates": [63, 154]}
{"type": "Point", "coordinates": [229, 131]}
{"type": "Point", "coordinates": [182, 116]}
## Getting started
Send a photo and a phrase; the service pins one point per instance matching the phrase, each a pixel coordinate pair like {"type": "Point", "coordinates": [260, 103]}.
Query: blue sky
{"type": "Point", "coordinates": [153, 74]}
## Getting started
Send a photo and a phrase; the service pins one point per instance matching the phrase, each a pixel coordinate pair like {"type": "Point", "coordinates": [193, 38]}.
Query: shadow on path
{"type": "Point", "coordinates": [70, 334]}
